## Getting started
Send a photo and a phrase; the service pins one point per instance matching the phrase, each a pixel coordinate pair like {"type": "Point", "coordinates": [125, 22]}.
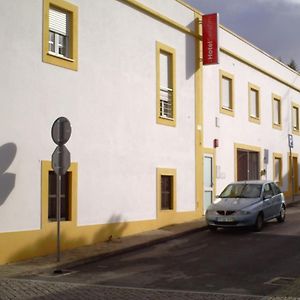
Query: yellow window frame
{"type": "Point", "coordinates": [256, 89]}
{"type": "Point", "coordinates": [162, 48]}
{"type": "Point", "coordinates": [49, 57]}
{"type": "Point", "coordinates": [277, 156]}
{"type": "Point", "coordinates": [275, 125]}
{"type": "Point", "coordinates": [227, 110]}
{"type": "Point", "coordinates": [46, 168]}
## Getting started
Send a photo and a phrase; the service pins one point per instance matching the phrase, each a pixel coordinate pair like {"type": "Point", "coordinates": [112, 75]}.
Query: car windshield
{"type": "Point", "coordinates": [242, 190]}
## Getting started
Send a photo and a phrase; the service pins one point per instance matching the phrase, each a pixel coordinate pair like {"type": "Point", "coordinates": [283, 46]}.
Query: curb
{"type": "Point", "coordinates": [128, 249]}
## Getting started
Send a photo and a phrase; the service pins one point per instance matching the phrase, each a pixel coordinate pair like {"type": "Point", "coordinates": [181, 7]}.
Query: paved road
{"type": "Point", "coordinates": [229, 264]}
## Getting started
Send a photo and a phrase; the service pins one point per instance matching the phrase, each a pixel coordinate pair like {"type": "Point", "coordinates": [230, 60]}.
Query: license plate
{"type": "Point", "coordinates": [225, 219]}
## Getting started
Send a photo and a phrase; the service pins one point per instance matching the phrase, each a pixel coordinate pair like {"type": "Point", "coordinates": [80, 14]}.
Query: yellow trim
{"type": "Point", "coordinates": [247, 148]}
{"type": "Point", "coordinates": [296, 106]}
{"type": "Point", "coordinates": [162, 48]}
{"type": "Point", "coordinates": [277, 98]}
{"type": "Point", "coordinates": [198, 116]}
{"type": "Point", "coordinates": [69, 63]}
{"type": "Point", "coordinates": [46, 167]}
{"type": "Point", "coordinates": [165, 215]}
{"type": "Point", "coordinates": [279, 157]}
{"type": "Point", "coordinates": [230, 77]}
{"type": "Point", "coordinates": [156, 15]}
{"type": "Point", "coordinates": [261, 70]}
{"type": "Point", "coordinates": [254, 119]}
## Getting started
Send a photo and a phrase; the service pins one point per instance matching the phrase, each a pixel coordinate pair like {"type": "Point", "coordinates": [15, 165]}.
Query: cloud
{"type": "Point", "coordinates": [271, 25]}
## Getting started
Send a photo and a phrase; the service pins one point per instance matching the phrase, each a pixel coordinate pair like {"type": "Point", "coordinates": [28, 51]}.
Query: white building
{"type": "Point", "coordinates": [144, 114]}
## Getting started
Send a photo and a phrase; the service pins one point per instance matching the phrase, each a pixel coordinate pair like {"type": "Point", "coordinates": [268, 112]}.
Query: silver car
{"type": "Point", "coordinates": [247, 203]}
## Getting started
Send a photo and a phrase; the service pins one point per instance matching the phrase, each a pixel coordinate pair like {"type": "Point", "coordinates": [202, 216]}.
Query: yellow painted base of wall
{"type": "Point", "coordinates": [17, 246]}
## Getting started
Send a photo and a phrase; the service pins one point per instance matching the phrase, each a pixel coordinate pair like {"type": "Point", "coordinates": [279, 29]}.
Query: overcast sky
{"type": "Point", "coordinates": [271, 25]}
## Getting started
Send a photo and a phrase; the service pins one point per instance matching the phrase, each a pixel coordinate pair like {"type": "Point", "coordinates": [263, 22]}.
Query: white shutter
{"type": "Point", "coordinates": [165, 71]}
{"type": "Point", "coordinates": [58, 21]}
{"type": "Point", "coordinates": [226, 94]}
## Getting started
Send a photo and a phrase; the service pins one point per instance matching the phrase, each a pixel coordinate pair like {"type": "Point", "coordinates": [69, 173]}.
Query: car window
{"type": "Point", "coordinates": [268, 192]}
{"type": "Point", "coordinates": [242, 190]}
{"type": "Point", "coordinates": [275, 188]}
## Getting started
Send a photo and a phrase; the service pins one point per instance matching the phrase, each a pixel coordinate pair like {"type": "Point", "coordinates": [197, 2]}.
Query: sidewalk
{"type": "Point", "coordinates": [82, 255]}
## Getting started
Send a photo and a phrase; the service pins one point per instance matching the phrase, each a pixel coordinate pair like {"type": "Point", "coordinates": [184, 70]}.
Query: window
{"type": "Point", "coordinates": [277, 168]}
{"type": "Point", "coordinates": [268, 192]}
{"type": "Point", "coordinates": [60, 34]}
{"type": "Point", "coordinates": [166, 87]}
{"type": "Point", "coordinates": [295, 118]}
{"type": "Point", "coordinates": [254, 103]}
{"type": "Point", "coordinates": [68, 195]}
{"type": "Point", "coordinates": [226, 93]}
{"type": "Point", "coordinates": [276, 109]}
{"type": "Point", "coordinates": [166, 183]}
{"type": "Point", "coordinates": [65, 197]}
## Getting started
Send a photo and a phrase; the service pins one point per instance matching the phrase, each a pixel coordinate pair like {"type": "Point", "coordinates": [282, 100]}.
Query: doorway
{"type": "Point", "coordinates": [208, 180]}
{"type": "Point", "coordinates": [248, 165]}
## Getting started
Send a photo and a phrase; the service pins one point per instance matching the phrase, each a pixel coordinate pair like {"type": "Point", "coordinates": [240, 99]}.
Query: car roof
{"type": "Point", "coordinates": [253, 181]}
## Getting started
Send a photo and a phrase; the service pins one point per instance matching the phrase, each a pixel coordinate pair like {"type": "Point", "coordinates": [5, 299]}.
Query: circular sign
{"type": "Point", "coordinates": [61, 131]}
{"type": "Point", "coordinates": [61, 160]}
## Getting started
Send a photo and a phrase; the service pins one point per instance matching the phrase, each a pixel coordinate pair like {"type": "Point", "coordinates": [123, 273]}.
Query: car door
{"type": "Point", "coordinates": [268, 205]}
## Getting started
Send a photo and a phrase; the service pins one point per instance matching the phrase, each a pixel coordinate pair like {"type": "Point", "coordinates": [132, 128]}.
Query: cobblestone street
{"type": "Point", "coordinates": [35, 289]}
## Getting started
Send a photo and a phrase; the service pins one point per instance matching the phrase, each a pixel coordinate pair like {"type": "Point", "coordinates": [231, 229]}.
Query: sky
{"type": "Point", "coordinates": [271, 25]}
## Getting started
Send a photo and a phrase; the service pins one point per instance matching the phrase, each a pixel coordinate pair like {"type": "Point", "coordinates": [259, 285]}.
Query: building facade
{"type": "Point", "coordinates": [155, 135]}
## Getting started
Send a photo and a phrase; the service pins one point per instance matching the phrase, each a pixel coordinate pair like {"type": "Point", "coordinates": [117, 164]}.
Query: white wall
{"type": "Point", "coordinates": [111, 104]}
{"type": "Point", "coordinates": [238, 129]}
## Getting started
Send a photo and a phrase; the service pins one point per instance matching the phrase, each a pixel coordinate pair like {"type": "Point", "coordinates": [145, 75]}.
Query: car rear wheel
{"type": "Point", "coordinates": [281, 217]}
{"type": "Point", "coordinates": [259, 223]}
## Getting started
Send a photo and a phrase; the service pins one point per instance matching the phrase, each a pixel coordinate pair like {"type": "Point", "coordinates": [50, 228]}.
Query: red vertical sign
{"type": "Point", "coordinates": [210, 39]}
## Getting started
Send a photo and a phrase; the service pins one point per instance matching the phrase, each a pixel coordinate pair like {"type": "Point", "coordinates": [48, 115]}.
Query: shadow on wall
{"type": "Point", "coordinates": [112, 230]}
{"type": "Point", "coordinates": [45, 244]}
{"type": "Point", "coordinates": [7, 180]}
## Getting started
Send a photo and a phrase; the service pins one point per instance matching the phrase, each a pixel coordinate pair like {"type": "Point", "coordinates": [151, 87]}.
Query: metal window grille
{"type": "Point", "coordinates": [65, 181]}
{"type": "Point", "coordinates": [166, 103]}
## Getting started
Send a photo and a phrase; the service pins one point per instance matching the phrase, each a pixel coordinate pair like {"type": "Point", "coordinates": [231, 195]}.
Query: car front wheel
{"type": "Point", "coordinates": [259, 223]}
{"type": "Point", "coordinates": [281, 217]}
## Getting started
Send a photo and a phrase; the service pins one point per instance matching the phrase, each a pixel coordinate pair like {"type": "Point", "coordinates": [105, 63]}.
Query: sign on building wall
{"type": "Point", "coordinates": [210, 39]}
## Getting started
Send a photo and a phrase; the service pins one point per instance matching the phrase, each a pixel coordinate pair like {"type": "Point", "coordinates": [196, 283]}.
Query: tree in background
{"type": "Point", "coordinates": [293, 65]}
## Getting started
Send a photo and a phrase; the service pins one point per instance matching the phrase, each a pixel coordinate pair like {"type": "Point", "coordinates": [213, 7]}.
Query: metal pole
{"type": "Point", "coordinates": [292, 173]}
{"type": "Point", "coordinates": [58, 212]}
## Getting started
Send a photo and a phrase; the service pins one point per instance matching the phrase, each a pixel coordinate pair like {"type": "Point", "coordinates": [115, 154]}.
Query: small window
{"type": "Point", "coordinates": [166, 183]}
{"type": "Point", "coordinates": [166, 88]}
{"type": "Point", "coordinates": [226, 93]}
{"type": "Point", "coordinates": [166, 192]}
{"type": "Point", "coordinates": [295, 118]}
{"type": "Point", "coordinates": [254, 104]}
{"type": "Point", "coordinates": [65, 199]}
{"type": "Point", "coordinates": [276, 109]}
{"type": "Point", "coordinates": [60, 33]}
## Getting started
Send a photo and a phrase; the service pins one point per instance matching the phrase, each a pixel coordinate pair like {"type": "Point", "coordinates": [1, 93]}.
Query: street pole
{"type": "Point", "coordinates": [292, 173]}
{"type": "Point", "coordinates": [58, 212]}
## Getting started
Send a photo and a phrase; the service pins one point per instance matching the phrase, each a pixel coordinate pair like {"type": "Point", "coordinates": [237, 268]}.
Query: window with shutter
{"type": "Point", "coordinates": [226, 93]}
{"type": "Point", "coordinates": [60, 34]}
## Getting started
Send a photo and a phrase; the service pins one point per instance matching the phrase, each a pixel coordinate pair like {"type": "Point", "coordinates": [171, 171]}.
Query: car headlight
{"type": "Point", "coordinates": [243, 212]}
{"type": "Point", "coordinates": [211, 212]}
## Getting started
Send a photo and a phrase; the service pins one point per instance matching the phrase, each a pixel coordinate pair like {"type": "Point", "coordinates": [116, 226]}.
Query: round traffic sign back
{"type": "Point", "coordinates": [61, 131]}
